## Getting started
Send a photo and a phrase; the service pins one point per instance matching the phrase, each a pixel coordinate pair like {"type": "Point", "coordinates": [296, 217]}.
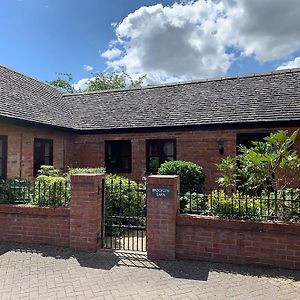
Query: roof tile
{"type": "Point", "coordinates": [256, 98]}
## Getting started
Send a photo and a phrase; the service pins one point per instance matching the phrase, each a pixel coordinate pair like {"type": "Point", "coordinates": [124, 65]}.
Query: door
{"type": "Point", "coordinates": [3, 157]}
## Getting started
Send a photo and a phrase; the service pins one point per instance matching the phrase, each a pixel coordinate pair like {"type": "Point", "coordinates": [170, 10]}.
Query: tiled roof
{"type": "Point", "coordinates": [257, 98]}
{"type": "Point", "coordinates": [25, 98]}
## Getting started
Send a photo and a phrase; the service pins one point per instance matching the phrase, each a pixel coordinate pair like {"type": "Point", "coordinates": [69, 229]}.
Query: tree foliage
{"type": "Point", "coordinates": [64, 83]}
{"type": "Point", "coordinates": [271, 163]}
{"type": "Point", "coordinates": [98, 82]}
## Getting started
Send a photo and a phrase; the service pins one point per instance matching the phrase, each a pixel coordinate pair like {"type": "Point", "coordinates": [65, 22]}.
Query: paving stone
{"type": "Point", "coordinates": [44, 272]}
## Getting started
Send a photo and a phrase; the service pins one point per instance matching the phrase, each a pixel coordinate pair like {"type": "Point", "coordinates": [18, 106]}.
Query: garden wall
{"type": "Point", "coordinates": [77, 227]}
{"type": "Point", "coordinates": [46, 225]}
{"type": "Point", "coordinates": [171, 235]}
{"type": "Point", "coordinates": [211, 238]}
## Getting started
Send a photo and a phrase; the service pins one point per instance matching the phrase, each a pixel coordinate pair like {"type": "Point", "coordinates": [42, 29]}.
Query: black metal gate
{"type": "Point", "coordinates": [124, 215]}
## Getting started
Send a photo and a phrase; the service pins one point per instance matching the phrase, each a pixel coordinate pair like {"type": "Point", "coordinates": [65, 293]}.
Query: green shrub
{"type": "Point", "coordinates": [73, 171]}
{"type": "Point", "coordinates": [269, 164]}
{"type": "Point", "coordinates": [124, 199]}
{"type": "Point", "coordinates": [192, 202]}
{"type": "Point", "coordinates": [50, 188]}
{"type": "Point", "coordinates": [191, 175]}
{"type": "Point", "coordinates": [283, 204]}
{"type": "Point", "coordinates": [280, 205]}
{"type": "Point", "coordinates": [236, 205]}
{"type": "Point", "coordinates": [47, 170]}
{"type": "Point", "coordinates": [15, 190]}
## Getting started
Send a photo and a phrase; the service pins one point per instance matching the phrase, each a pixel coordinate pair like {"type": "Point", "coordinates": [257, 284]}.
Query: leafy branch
{"type": "Point", "coordinates": [98, 82]}
{"type": "Point", "coordinates": [268, 164]}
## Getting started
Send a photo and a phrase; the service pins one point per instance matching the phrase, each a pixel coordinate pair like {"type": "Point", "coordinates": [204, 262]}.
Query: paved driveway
{"type": "Point", "coordinates": [42, 272]}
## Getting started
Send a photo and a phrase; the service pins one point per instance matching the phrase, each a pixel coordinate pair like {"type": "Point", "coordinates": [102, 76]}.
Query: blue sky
{"type": "Point", "coordinates": [42, 37]}
{"type": "Point", "coordinates": [169, 42]}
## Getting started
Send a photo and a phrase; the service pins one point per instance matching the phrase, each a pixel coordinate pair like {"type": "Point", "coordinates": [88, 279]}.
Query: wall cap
{"type": "Point", "coordinates": [88, 174]}
{"type": "Point", "coordinates": [163, 176]}
{"type": "Point", "coordinates": [236, 224]}
{"type": "Point", "coordinates": [27, 209]}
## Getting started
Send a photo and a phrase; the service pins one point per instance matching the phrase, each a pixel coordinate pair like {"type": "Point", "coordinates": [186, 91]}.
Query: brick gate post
{"type": "Point", "coordinates": [162, 208]}
{"type": "Point", "coordinates": [86, 211]}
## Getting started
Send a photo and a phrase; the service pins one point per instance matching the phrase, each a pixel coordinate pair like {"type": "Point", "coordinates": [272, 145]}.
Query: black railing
{"type": "Point", "coordinates": [279, 205]}
{"type": "Point", "coordinates": [20, 191]}
{"type": "Point", "coordinates": [125, 215]}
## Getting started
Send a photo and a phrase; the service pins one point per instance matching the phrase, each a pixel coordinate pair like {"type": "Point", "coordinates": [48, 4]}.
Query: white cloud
{"type": "Point", "coordinates": [81, 84]}
{"type": "Point", "coordinates": [111, 53]}
{"type": "Point", "coordinates": [266, 29]}
{"type": "Point", "coordinates": [88, 68]}
{"type": "Point", "coordinates": [290, 64]}
{"type": "Point", "coordinates": [172, 43]}
{"type": "Point", "coordinates": [200, 39]}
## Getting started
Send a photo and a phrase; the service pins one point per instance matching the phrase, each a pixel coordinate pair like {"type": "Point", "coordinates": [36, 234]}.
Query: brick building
{"type": "Point", "coordinates": [131, 132]}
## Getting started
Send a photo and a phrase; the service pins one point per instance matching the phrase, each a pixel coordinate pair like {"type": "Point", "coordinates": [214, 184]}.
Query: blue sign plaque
{"type": "Point", "coordinates": [161, 192]}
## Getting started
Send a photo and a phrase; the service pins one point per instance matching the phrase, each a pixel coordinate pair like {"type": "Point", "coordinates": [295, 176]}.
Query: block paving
{"type": "Point", "coordinates": [45, 272]}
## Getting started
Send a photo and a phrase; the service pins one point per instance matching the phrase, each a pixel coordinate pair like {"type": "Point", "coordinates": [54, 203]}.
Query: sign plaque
{"type": "Point", "coordinates": [161, 192]}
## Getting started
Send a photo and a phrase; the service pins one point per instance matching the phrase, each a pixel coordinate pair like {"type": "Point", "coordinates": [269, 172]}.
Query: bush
{"type": "Point", "coordinates": [192, 202]}
{"type": "Point", "coordinates": [191, 175]}
{"type": "Point", "coordinates": [235, 205]}
{"type": "Point", "coordinates": [15, 190]}
{"type": "Point", "coordinates": [73, 171]}
{"type": "Point", "coordinates": [283, 204]}
{"type": "Point", "coordinates": [271, 164]}
{"type": "Point", "coordinates": [50, 188]}
{"type": "Point", "coordinates": [280, 205]}
{"type": "Point", "coordinates": [47, 170]}
{"type": "Point", "coordinates": [124, 199]}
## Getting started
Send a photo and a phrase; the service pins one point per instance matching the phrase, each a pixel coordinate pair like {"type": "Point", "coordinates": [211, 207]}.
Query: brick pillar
{"type": "Point", "coordinates": [162, 208]}
{"type": "Point", "coordinates": [85, 211]}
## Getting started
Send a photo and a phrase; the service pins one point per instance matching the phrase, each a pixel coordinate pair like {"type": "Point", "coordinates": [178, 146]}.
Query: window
{"type": "Point", "coordinates": [159, 151]}
{"type": "Point", "coordinates": [3, 157]}
{"type": "Point", "coordinates": [247, 138]}
{"type": "Point", "coordinates": [43, 153]}
{"type": "Point", "coordinates": [118, 156]}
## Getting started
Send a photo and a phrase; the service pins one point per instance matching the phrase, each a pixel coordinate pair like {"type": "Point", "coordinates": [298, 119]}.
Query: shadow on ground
{"type": "Point", "coordinates": [106, 260]}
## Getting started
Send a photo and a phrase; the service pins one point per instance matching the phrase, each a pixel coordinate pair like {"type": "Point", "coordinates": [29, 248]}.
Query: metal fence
{"type": "Point", "coordinates": [20, 191]}
{"type": "Point", "coordinates": [125, 215]}
{"type": "Point", "coordinates": [278, 205]}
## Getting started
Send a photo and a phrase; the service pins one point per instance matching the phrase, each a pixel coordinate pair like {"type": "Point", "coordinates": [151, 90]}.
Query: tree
{"type": "Point", "coordinates": [64, 83]}
{"type": "Point", "coordinates": [99, 82]}
{"type": "Point", "coordinates": [269, 164]}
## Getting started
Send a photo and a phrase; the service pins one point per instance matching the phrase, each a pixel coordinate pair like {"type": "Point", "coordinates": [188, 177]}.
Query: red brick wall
{"type": "Point", "coordinates": [200, 147]}
{"type": "Point", "coordinates": [45, 225]}
{"type": "Point", "coordinates": [20, 147]}
{"type": "Point", "coordinates": [74, 150]}
{"type": "Point", "coordinates": [77, 227]}
{"type": "Point", "coordinates": [86, 211]}
{"type": "Point", "coordinates": [161, 217]}
{"type": "Point", "coordinates": [264, 243]}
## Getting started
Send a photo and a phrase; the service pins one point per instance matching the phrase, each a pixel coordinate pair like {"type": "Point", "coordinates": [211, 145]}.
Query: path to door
{"type": "Point", "coordinates": [44, 272]}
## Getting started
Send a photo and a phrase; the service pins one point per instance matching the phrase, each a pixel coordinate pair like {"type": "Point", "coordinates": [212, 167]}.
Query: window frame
{"type": "Point", "coordinates": [119, 169]}
{"type": "Point", "coordinates": [4, 139]}
{"type": "Point", "coordinates": [50, 156]}
{"type": "Point", "coordinates": [161, 142]}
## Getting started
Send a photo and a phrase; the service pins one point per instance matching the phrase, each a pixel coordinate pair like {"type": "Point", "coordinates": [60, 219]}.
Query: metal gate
{"type": "Point", "coordinates": [124, 215]}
